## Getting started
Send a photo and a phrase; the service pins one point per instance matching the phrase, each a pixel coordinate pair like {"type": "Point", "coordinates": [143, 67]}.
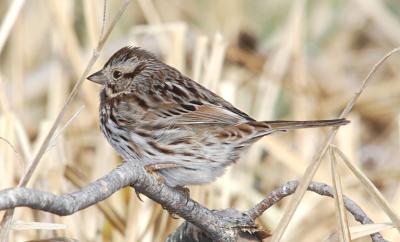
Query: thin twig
{"type": "Point", "coordinates": [322, 189]}
{"type": "Point", "coordinates": [313, 167]}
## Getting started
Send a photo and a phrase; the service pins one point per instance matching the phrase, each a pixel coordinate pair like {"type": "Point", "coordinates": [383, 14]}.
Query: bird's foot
{"type": "Point", "coordinates": [153, 168]}
{"type": "Point", "coordinates": [138, 196]}
{"type": "Point", "coordinates": [183, 190]}
{"type": "Point", "coordinates": [160, 166]}
{"type": "Point", "coordinates": [260, 233]}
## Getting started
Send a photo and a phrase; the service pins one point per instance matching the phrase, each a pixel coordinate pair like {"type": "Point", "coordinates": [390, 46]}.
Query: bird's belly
{"type": "Point", "coordinates": [120, 141]}
{"type": "Point", "coordinates": [195, 162]}
{"type": "Point", "coordinates": [198, 160]}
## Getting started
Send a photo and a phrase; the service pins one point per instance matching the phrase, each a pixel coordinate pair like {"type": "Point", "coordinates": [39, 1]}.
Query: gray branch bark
{"type": "Point", "coordinates": [189, 232]}
{"type": "Point", "coordinates": [201, 223]}
{"type": "Point", "coordinates": [217, 227]}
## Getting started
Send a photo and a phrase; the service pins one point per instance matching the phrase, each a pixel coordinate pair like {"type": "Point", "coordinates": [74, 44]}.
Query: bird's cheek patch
{"type": "Point", "coordinates": [139, 68]}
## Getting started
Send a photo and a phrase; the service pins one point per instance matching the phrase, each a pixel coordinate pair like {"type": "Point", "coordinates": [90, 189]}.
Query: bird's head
{"type": "Point", "coordinates": [123, 68]}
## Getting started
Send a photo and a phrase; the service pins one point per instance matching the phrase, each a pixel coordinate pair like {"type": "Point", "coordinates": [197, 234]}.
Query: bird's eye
{"type": "Point", "coordinates": [116, 75]}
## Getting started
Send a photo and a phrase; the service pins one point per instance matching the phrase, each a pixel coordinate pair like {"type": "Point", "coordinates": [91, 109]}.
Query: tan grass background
{"type": "Point", "coordinates": [273, 59]}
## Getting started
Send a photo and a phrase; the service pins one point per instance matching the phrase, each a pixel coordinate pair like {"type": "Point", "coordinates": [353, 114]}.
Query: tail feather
{"type": "Point", "coordinates": [286, 125]}
{"type": "Point", "coordinates": [268, 127]}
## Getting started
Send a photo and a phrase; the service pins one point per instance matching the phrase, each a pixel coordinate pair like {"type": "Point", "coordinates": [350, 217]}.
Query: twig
{"type": "Point", "coordinates": [32, 166]}
{"type": "Point", "coordinates": [320, 188]}
{"type": "Point", "coordinates": [313, 167]}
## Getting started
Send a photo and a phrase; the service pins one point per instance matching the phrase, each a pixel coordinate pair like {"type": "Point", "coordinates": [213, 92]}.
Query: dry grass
{"type": "Point", "coordinates": [308, 60]}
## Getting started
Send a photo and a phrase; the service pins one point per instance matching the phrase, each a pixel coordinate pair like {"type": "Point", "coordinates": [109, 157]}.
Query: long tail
{"type": "Point", "coordinates": [286, 125]}
{"type": "Point", "coordinates": [268, 127]}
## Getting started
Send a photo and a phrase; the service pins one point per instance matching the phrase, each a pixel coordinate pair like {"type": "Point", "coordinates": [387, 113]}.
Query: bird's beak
{"type": "Point", "coordinates": [98, 77]}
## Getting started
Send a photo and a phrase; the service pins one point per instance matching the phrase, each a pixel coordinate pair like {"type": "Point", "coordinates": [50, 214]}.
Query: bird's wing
{"type": "Point", "coordinates": [176, 99]}
{"type": "Point", "coordinates": [130, 113]}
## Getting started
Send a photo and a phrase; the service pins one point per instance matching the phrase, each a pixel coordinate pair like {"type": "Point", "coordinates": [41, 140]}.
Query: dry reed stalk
{"type": "Point", "coordinates": [150, 12]}
{"type": "Point", "coordinates": [343, 225]}
{"type": "Point", "coordinates": [34, 163]}
{"type": "Point", "coordinates": [301, 99]}
{"type": "Point", "coordinates": [359, 231]}
{"type": "Point", "coordinates": [378, 105]}
{"type": "Point", "coordinates": [91, 17]}
{"type": "Point", "coordinates": [271, 79]}
{"type": "Point", "coordinates": [381, 15]}
{"type": "Point", "coordinates": [8, 122]}
{"type": "Point", "coordinates": [178, 51]}
{"type": "Point", "coordinates": [72, 50]}
{"type": "Point", "coordinates": [19, 225]}
{"type": "Point", "coordinates": [149, 229]}
{"type": "Point", "coordinates": [312, 168]}
{"type": "Point", "coordinates": [132, 220]}
{"type": "Point", "coordinates": [105, 207]}
{"type": "Point", "coordinates": [371, 188]}
{"type": "Point", "coordinates": [284, 154]}
{"type": "Point", "coordinates": [9, 20]}
{"type": "Point", "coordinates": [199, 56]}
{"type": "Point", "coordinates": [154, 19]}
{"type": "Point", "coordinates": [215, 60]}
{"type": "Point", "coordinates": [160, 230]}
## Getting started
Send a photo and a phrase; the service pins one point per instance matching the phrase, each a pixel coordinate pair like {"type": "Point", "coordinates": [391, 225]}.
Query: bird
{"type": "Point", "coordinates": [153, 114]}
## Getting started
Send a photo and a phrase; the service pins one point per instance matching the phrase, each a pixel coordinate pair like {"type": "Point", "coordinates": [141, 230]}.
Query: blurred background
{"type": "Point", "coordinates": [274, 59]}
